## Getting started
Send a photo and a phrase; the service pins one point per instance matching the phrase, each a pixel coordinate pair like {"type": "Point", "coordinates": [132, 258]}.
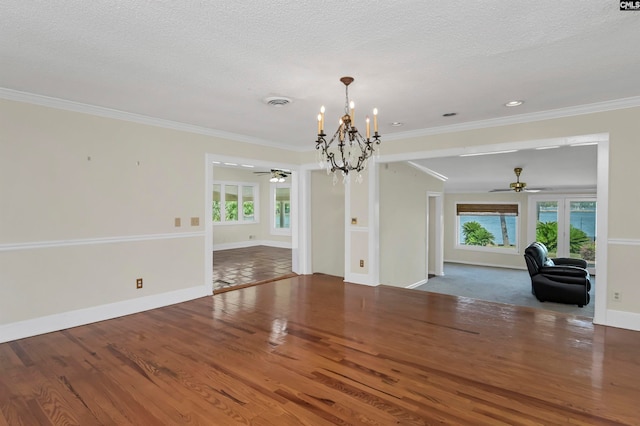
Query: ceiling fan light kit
{"type": "Point", "coordinates": [277, 175]}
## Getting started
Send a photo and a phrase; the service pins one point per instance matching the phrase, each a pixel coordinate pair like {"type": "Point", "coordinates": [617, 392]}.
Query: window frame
{"type": "Point", "coordinates": [493, 249]}
{"type": "Point", "coordinates": [240, 185]}
{"type": "Point", "coordinates": [272, 209]}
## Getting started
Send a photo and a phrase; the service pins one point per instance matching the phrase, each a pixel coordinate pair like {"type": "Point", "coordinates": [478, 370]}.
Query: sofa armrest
{"type": "Point", "coordinates": [581, 263]}
{"type": "Point", "coordinates": [564, 271]}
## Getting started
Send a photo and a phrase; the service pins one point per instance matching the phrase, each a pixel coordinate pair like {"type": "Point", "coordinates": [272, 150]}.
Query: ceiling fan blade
{"type": "Point", "coordinates": [501, 190]}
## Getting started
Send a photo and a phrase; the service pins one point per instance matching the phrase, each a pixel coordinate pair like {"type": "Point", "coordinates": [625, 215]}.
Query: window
{"type": "Point", "coordinates": [489, 226]}
{"type": "Point", "coordinates": [228, 197]}
{"type": "Point", "coordinates": [248, 204]}
{"type": "Point", "coordinates": [281, 209]}
{"type": "Point", "coordinates": [231, 203]}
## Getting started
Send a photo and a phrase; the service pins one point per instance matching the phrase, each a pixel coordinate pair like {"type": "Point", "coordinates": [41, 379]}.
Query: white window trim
{"type": "Point", "coordinates": [272, 209]}
{"type": "Point", "coordinates": [256, 203]}
{"type": "Point", "coordinates": [514, 250]}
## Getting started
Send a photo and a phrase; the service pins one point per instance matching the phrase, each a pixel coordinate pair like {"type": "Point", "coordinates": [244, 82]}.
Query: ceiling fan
{"type": "Point", "coordinates": [518, 186]}
{"type": "Point", "coordinates": [277, 175]}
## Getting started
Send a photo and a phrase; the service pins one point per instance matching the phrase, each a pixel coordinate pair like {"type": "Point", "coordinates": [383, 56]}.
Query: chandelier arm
{"type": "Point", "coordinates": [322, 144]}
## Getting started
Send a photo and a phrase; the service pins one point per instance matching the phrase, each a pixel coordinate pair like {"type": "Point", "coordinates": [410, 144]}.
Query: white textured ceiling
{"type": "Point", "coordinates": [211, 63]}
{"type": "Point", "coordinates": [570, 169]}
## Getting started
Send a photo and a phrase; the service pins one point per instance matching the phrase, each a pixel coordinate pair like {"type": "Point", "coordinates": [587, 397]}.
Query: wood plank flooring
{"type": "Point", "coordinates": [312, 350]}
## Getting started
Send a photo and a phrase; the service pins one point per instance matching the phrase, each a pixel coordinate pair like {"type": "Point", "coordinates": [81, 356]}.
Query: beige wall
{"type": "Point", "coordinates": [327, 225]}
{"type": "Point", "coordinates": [478, 257]}
{"type": "Point", "coordinates": [113, 186]}
{"type": "Point", "coordinates": [403, 218]}
{"type": "Point", "coordinates": [68, 177]}
{"type": "Point", "coordinates": [47, 281]}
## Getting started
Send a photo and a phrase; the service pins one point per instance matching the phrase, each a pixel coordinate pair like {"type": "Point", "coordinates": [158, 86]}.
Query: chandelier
{"type": "Point", "coordinates": [351, 150]}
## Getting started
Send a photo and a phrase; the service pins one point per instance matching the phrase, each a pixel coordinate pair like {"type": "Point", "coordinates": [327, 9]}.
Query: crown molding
{"type": "Point", "coordinates": [521, 118]}
{"type": "Point", "coordinates": [47, 101]}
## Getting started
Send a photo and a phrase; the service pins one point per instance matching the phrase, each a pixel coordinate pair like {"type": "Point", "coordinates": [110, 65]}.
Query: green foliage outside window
{"type": "Point", "coordinates": [247, 210]}
{"type": "Point", "coordinates": [577, 239]}
{"type": "Point", "coordinates": [547, 234]}
{"type": "Point", "coordinates": [216, 211]}
{"type": "Point", "coordinates": [476, 235]}
{"type": "Point", "coordinates": [231, 211]}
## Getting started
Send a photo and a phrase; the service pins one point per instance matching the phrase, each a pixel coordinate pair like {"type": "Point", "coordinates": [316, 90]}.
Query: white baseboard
{"type": "Point", "coordinates": [418, 284]}
{"type": "Point", "coordinates": [493, 265]}
{"type": "Point", "coordinates": [251, 243]}
{"type": "Point", "coordinates": [363, 279]}
{"type": "Point", "coordinates": [64, 320]}
{"type": "Point", "coordinates": [622, 319]}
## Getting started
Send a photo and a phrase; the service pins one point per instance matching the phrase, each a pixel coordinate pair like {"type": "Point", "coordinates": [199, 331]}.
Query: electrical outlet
{"type": "Point", "coordinates": [361, 263]}
{"type": "Point", "coordinates": [139, 283]}
{"type": "Point", "coordinates": [177, 222]}
{"type": "Point", "coordinates": [617, 297]}
{"type": "Point", "coordinates": [195, 221]}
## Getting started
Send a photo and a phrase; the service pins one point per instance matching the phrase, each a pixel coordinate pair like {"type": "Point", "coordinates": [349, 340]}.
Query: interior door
{"type": "Point", "coordinates": [566, 225]}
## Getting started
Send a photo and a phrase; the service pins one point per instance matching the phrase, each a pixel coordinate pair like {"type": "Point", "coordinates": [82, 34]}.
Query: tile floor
{"type": "Point", "coordinates": [240, 267]}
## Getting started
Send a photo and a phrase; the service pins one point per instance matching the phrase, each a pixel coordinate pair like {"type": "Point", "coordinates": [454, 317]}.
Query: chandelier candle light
{"type": "Point", "coordinates": [352, 150]}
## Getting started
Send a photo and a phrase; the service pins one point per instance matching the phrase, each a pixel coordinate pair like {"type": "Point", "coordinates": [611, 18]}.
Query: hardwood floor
{"type": "Point", "coordinates": [312, 350]}
{"type": "Point", "coordinates": [241, 267]}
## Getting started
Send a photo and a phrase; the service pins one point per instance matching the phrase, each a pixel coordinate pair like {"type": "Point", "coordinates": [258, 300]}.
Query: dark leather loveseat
{"type": "Point", "coordinates": [562, 280]}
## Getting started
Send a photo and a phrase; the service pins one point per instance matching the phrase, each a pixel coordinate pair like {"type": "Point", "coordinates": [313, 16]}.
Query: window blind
{"type": "Point", "coordinates": [487, 209]}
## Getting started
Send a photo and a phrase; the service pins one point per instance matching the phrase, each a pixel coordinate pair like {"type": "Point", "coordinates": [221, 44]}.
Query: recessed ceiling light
{"type": "Point", "coordinates": [547, 147]}
{"type": "Point", "coordinates": [513, 103]}
{"type": "Point", "coordinates": [396, 124]}
{"type": "Point", "coordinates": [230, 164]}
{"type": "Point", "coordinates": [247, 165]}
{"type": "Point", "coordinates": [450, 114]}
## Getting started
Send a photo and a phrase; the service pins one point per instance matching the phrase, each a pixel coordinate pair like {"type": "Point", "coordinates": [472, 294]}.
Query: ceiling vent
{"type": "Point", "coordinates": [277, 101]}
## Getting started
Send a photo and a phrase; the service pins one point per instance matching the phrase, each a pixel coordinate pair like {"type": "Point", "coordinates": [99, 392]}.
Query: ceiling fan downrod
{"type": "Point", "coordinates": [518, 186]}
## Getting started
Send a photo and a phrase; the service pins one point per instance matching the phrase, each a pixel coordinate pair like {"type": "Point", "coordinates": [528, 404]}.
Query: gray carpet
{"type": "Point", "coordinates": [510, 286]}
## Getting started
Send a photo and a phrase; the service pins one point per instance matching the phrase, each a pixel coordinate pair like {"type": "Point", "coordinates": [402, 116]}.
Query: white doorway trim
{"type": "Point", "coordinates": [435, 198]}
{"type": "Point", "coordinates": [208, 208]}
{"type": "Point", "coordinates": [602, 198]}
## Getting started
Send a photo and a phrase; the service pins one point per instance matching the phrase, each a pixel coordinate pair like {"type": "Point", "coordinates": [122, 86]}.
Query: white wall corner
{"type": "Point", "coordinates": [418, 284]}
{"type": "Point", "coordinates": [363, 279]}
